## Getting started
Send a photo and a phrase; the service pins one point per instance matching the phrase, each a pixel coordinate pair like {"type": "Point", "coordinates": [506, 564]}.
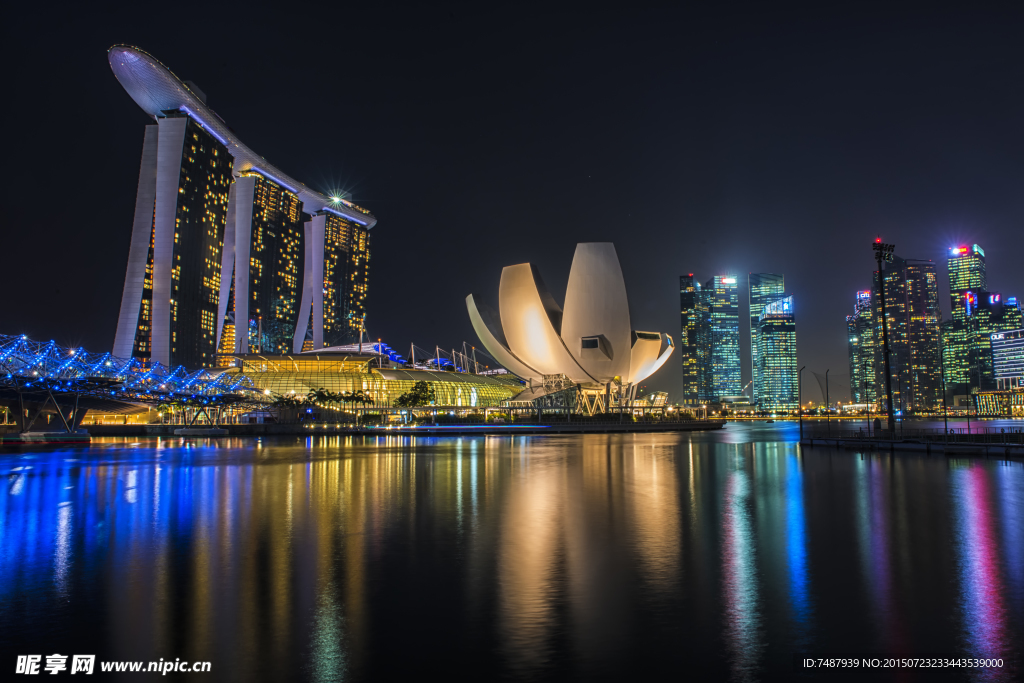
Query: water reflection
{"type": "Point", "coordinates": [739, 574]}
{"type": "Point", "coordinates": [796, 550]}
{"type": "Point", "coordinates": [982, 592]}
{"type": "Point", "coordinates": [564, 557]}
{"type": "Point", "coordinates": [873, 510]}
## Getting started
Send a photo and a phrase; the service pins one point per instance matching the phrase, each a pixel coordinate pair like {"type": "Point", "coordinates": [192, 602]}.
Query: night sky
{"type": "Point", "coordinates": [739, 140]}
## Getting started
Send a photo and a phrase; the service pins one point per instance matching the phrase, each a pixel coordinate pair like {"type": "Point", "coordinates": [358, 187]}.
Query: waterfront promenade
{"type": "Point", "coordinates": [610, 426]}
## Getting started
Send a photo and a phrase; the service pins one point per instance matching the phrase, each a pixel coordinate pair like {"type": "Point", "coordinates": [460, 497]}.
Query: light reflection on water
{"type": "Point", "coordinates": [982, 605]}
{"type": "Point", "coordinates": [739, 572]}
{"type": "Point", "coordinates": [720, 555]}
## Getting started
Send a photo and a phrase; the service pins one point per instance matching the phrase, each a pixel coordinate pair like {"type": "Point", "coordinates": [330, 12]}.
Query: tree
{"type": "Point", "coordinates": [286, 401]}
{"type": "Point", "coordinates": [421, 394]}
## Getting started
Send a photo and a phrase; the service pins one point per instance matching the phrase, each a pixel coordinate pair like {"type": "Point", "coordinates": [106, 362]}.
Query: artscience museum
{"type": "Point", "coordinates": [585, 355]}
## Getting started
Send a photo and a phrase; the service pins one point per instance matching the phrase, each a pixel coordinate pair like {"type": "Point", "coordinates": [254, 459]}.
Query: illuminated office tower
{"type": "Point", "coordinates": [912, 311]}
{"type": "Point", "coordinates": [1013, 314]}
{"type": "Point", "coordinates": [1008, 362]}
{"type": "Point", "coordinates": [966, 269]}
{"type": "Point", "coordinates": [207, 202]}
{"type": "Point", "coordinates": [966, 266]}
{"type": "Point", "coordinates": [986, 315]}
{"type": "Point", "coordinates": [723, 365]}
{"type": "Point", "coordinates": [776, 356]}
{"type": "Point", "coordinates": [764, 288]}
{"type": "Point", "coordinates": [860, 328]}
{"type": "Point", "coordinates": [693, 345]}
{"type": "Point", "coordinates": [924, 335]}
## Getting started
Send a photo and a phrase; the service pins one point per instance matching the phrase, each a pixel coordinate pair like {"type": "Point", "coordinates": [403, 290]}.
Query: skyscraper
{"type": "Point", "coordinates": [1008, 360]}
{"type": "Point", "coordinates": [723, 337]}
{"type": "Point", "coordinates": [692, 341]}
{"type": "Point", "coordinates": [860, 328]}
{"type": "Point", "coordinates": [269, 237]}
{"type": "Point", "coordinates": [776, 356]}
{"type": "Point", "coordinates": [986, 315]}
{"type": "Point", "coordinates": [912, 312]}
{"type": "Point", "coordinates": [966, 266]}
{"type": "Point", "coordinates": [227, 251]}
{"type": "Point", "coordinates": [764, 288]}
{"type": "Point", "coordinates": [170, 302]}
{"type": "Point", "coordinates": [977, 315]}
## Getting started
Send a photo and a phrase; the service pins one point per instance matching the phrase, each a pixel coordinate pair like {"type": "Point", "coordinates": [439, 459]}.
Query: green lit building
{"type": "Point", "coordinates": [987, 315]}
{"type": "Point", "coordinates": [776, 357]}
{"type": "Point", "coordinates": [966, 266]}
{"type": "Point", "coordinates": [764, 288]}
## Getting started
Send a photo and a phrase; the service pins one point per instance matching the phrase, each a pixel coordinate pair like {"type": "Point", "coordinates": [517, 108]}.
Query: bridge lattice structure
{"type": "Point", "coordinates": [47, 371]}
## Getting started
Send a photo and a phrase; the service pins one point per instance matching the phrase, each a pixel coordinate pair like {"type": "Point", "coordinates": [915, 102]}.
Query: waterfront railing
{"type": "Point", "coordinates": [973, 435]}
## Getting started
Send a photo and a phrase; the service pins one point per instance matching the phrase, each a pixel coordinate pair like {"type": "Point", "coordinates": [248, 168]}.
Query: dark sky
{"type": "Point", "coordinates": [695, 140]}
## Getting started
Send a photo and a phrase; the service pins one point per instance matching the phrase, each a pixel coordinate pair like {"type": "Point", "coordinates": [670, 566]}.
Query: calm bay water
{"type": "Point", "coordinates": [711, 556]}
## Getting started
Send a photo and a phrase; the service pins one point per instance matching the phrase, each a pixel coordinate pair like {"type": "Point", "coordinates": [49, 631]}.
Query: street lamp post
{"type": "Point", "coordinates": [864, 392]}
{"type": "Point", "coordinates": [828, 411]}
{"type": "Point", "coordinates": [899, 390]}
{"type": "Point", "coordinates": [884, 252]}
{"type": "Point", "coordinates": [942, 368]}
{"type": "Point", "coordinates": [800, 399]}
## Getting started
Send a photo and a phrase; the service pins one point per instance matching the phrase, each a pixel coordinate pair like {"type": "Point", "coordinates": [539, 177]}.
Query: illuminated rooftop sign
{"type": "Point", "coordinates": [782, 306]}
{"type": "Point", "coordinates": [963, 250]}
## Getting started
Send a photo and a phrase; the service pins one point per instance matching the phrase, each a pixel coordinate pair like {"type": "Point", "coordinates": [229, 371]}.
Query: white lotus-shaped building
{"type": "Point", "coordinates": [590, 342]}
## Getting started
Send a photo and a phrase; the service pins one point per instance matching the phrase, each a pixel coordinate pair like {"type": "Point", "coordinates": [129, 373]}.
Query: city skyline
{"type": "Point", "coordinates": [313, 339]}
{"type": "Point", "coordinates": [936, 359]}
{"type": "Point", "coordinates": [796, 183]}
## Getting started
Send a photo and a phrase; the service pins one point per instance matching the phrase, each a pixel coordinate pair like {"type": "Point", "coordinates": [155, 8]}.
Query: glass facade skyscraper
{"type": "Point", "coordinates": [764, 288]}
{"type": "Point", "coordinates": [913, 315]}
{"type": "Point", "coordinates": [1008, 359]}
{"type": "Point", "coordinates": [692, 341]}
{"type": "Point", "coordinates": [722, 292]}
{"type": "Point", "coordinates": [966, 267]}
{"type": "Point", "coordinates": [987, 314]}
{"type": "Point", "coordinates": [976, 315]}
{"type": "Point", "coordinates": [861, 342]}
{"type": "Point", "coordinates": [694, 345]}
{"type": "Point", "coordinates": [776, 356]}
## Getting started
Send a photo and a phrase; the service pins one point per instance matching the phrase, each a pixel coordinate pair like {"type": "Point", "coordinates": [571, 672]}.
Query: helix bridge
{"type": "Point", "coordinates": [44, 377]}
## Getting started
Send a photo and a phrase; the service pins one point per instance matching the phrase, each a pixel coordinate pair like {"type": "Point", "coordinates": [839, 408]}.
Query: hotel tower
{"type": "Point", "coordinates": [229, 255]}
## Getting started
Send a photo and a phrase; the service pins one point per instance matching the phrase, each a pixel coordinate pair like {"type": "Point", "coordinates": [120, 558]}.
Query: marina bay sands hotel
{"type": "Point", "coordinates": [229, 255]}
